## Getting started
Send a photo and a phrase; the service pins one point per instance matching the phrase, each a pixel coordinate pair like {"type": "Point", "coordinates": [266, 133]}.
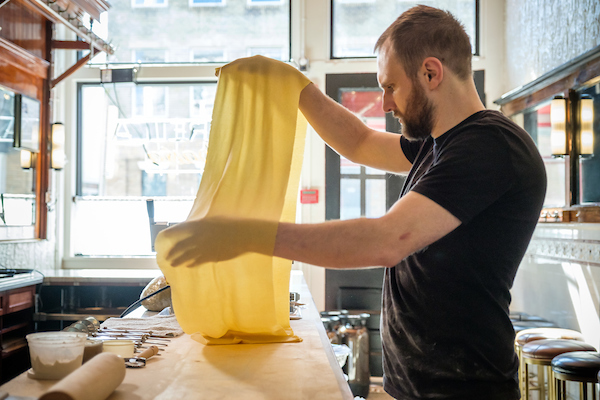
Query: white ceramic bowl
{"type": "Point", "coordinates": [122, 347]}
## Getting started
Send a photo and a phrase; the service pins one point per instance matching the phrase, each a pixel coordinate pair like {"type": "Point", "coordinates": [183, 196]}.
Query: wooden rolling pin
{"type": "Point", "coordinates": [94, 380]}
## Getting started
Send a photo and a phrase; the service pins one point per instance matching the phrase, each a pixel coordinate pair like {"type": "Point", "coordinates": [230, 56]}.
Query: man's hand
{"type": "Point", "coordinates": [213, 239]}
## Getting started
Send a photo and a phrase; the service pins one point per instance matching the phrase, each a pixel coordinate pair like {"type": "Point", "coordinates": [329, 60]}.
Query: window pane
{"type": "Point", "coordinates": [151, 31]}
{"type": "Point", "coordinates": [17, 198]}
{"type": "Point", "coordinates": [375, 198]}
{"type": "Point", "coordinates": [358, 24]}
{"type": "Point", "coordinates": [349, 198]}
{"type": "Point", "coordinates": [120, 227]}
{"type": "Point", "coordinates": [366, 105]}
{"type": "Point", "coordinates": [537, 123]}
{"type": "Point", "coordinates": [348, 167]}
{"type": "Point", "coordinates": [138, 140]}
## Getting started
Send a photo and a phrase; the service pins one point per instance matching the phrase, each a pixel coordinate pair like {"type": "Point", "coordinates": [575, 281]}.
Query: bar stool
{"type": "Point", "coordinates": [579, 366]}
{"type": "Point", "coordinates": [541, 353]}
{"type": "Point", "coordinates": [529, 335]}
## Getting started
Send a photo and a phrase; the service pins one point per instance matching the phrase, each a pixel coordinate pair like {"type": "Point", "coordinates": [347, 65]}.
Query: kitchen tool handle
{"type": "Point", "coordinates": [149, 352]}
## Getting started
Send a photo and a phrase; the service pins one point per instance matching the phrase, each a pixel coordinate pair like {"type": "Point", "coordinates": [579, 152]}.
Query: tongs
{"type": "Point", "coordinates": [140, 360]}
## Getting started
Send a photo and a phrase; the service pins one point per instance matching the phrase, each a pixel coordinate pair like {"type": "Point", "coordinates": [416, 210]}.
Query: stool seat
{"type": "Point", "coordinates": [578, 366]}
{"type": "Point", "coordinates": [547, 349]}
{"type": "Point", "coordinates": [529, 335]}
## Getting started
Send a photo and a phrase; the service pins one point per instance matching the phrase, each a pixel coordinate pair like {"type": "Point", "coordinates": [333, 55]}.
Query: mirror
{"type": "Point", "coordinates": [17, 185]}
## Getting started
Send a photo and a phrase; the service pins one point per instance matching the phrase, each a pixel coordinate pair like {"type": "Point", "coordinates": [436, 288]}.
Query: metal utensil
{"type": "Point", "coordinates": [140, 360]}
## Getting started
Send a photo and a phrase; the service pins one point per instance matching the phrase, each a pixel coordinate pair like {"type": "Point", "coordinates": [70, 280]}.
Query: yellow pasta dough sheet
{"type": "Point", "coordinates": [252, 170]}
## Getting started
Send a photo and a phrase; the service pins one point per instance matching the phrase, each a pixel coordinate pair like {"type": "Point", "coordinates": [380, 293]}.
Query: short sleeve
{"type": "Point", "coordinates": [469, 173]}
{"type": "Point", "coordinates": [410, 148]}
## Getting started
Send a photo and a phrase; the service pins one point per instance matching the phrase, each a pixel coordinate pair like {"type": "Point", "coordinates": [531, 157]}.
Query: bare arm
{"type": "Point", "coordinates": [411, 224]}
{"type": "Point", "coordinates": [349, 136]}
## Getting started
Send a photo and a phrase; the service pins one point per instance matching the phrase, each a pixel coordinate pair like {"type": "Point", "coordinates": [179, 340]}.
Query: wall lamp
{"type": "Point", "coordinates": [558, 124]}
{"type": "Point", "coordinates": [28, 159]}
{"type": "Point", "coordinates": [58, 159]}
{"type": "Point", "coordinates": [559, 136]}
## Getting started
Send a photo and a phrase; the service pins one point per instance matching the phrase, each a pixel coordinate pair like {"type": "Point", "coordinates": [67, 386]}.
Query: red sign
{"type": "Point", "coordinates": [309, 196]}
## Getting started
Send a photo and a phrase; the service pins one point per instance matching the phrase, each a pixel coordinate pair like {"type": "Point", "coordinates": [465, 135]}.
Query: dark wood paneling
{"type": "Point", "coordinates": [19, 81]}
{"type": "Point", "coordinates": [25, 67]}
{"type": "Point", "coordinates": [24, 27]}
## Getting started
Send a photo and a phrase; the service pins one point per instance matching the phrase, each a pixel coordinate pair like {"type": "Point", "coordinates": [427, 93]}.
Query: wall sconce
{"type": "Point", "coordinates": [58, 158]}
{"type": "Point", "coordinates": [586, 116]}
{"type": "Point", "coordinates": [558, 123]}
{"type": "Point", "coordinates": [28, 159]}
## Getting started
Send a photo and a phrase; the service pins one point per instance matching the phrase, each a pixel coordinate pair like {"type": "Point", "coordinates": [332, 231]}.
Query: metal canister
{"type": "Point", "coordinates": [355, 335]}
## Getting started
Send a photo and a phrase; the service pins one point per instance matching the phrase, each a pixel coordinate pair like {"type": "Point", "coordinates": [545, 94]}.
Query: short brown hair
{"type": "Point", "coordinates": [422, 32]}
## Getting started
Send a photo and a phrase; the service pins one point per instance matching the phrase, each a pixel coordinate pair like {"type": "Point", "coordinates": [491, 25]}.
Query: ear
{"type": "Point", "coordinates": [432, 71]}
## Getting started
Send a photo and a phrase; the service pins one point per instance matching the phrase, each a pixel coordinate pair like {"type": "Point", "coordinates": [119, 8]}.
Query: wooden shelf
{"type": "Point", "coordinates": [14, 349]}
{"type": "Point", "coordinates": [14, 327]}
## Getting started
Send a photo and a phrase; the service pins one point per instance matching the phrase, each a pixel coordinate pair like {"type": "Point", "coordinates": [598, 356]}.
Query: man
{"type": "Point", "coordinates": [453, 241]}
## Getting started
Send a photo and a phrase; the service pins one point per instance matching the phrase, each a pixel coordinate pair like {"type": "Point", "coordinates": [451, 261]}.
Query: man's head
{"type": "Point", "coordinates": [423, 40]}
{"type": "Point", "coordinates": [422, 32]}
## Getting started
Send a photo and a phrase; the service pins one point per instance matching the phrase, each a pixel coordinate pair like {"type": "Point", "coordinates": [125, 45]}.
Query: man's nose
{"type": "Point", "coordinates": [388, 103]}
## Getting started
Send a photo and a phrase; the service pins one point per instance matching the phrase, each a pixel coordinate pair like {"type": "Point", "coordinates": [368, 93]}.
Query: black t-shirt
{"type": "Point", "coordinates": [445, 325]}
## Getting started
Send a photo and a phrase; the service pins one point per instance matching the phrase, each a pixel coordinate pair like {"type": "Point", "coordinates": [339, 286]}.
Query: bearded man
{"type": "Point", "coordinates": [452, 243]}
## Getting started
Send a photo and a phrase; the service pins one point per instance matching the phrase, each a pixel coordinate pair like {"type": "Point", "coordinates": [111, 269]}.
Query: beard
{"type": "Point", "coordinates": [417, 120]}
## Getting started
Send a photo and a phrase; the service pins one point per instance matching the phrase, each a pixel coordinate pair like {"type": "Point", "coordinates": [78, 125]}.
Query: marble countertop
{"type": "Point", "coordinates": [20, 280]}
{"type": "Point", "coordinates": [100, 276]}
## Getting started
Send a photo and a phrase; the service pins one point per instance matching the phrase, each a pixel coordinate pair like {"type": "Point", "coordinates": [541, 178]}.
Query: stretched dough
{"type": "Point", "coordinates": [252, 171]}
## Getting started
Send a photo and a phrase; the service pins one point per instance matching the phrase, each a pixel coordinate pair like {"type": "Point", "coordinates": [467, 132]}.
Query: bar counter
{"type": "Point", "coordinates": [189, 370]}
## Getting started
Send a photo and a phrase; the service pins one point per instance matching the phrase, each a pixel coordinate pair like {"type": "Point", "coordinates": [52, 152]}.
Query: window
{"type": "Point", "coordinates": [137, 141]}
{"type": "Point", "coordinates": [149, 3]}
{"type": "Point", "coordinates": [214, 30]}
{"type": "Point", "coordinates": [357, 24]}
{"type": "Point", "coordinates": [149, 55]}
{"type": "Point", "coordinates": [352, 190]}
{"type": "Point", "coordinates": [150, 101]}
{"type": "Point", "coordinates": [206, 3]}
{"type": "Point", "coordinates": [213, 54]}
